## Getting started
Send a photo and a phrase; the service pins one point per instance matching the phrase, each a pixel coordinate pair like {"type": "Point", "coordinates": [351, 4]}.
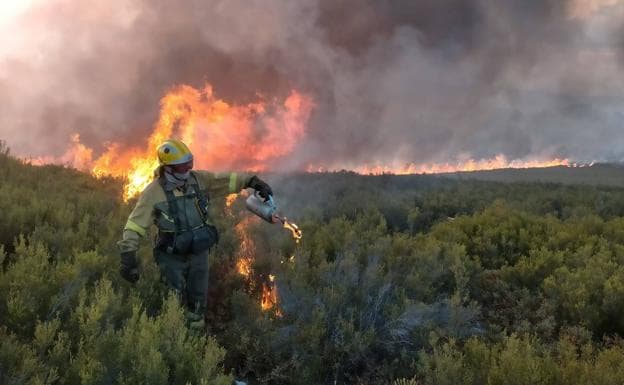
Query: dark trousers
{"type": "Point", "coordinates": [187, 275]}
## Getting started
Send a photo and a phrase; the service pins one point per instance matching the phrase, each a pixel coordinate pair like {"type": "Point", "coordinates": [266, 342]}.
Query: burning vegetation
{"type": "Point", "coordinates": [254, 136]}
{"type": "Point", "coordinates": [498, 162]}
{"type": "Point", "coordinates": [245, 256]}
{"type": "Point", "coordinates": [223, 136]}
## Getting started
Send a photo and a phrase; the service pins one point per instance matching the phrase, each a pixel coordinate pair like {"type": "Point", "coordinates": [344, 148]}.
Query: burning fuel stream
{"type": "Point", "coordinates": [246, 255]}
{"type": "Point", "coordinates": [294, 229]}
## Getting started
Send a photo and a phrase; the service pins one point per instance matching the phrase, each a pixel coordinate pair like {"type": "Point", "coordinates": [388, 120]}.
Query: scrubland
{"type": "Point", "coordinates": [397, 280]}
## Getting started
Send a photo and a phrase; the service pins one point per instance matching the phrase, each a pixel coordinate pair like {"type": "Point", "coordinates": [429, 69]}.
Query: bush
{"type": "Point", "coordinates": [398, 280]}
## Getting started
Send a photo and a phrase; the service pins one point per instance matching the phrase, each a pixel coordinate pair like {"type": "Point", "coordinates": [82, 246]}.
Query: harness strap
{"type": "Point", "coordinates": [171, 202]}
{"type": "Point", "coordinates": [202, 201]}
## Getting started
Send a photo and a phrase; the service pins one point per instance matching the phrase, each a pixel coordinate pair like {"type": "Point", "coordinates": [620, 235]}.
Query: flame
{"type": "Point", "coordinates": [230, 199]}
{"type": "Point", "coordinates": [269, 296]}
{"type": "Point", "coordinates": [498, 162]}
{"type": "Point", "coordinates": [296, 232]}
{"type": "Point", "coordinates": [253, 136]}
{"type": "Point", "coordinates": [245, 256]}
{"type": "Point", "coordinates": [244, 266]}
{"type": "Point", "coordinates": [222, 136]}
{"type": "Point", "coordinates": [77, 155]}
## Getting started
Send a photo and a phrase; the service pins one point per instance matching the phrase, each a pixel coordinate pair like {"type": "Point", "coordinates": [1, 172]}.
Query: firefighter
{"type": "Point", "coordinates": [177, 203]}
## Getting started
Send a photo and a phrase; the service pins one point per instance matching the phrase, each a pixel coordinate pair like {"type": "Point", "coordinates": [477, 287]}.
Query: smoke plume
{"type": "Point", "coordinates": [392, 82]}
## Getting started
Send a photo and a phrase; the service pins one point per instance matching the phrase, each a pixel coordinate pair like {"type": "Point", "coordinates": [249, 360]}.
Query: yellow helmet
{"type": "Point", "coordinates": [173, 151]}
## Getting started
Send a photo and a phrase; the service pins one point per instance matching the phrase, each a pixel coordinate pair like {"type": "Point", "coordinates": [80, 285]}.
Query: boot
{"type": "Point", "coordinates": [195, 321]}
{"type": "Point", "coordinates": [197, 325]}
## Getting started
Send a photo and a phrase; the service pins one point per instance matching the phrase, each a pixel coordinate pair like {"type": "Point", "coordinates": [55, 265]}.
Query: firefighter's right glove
{"type": "Point", "coordinates": [263, 189]}
{"type": "Point", "coordinates": [129, 269]}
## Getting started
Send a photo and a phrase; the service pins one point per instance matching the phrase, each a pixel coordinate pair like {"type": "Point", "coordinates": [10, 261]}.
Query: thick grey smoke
{"type": "Point", "coordinates": [393, 82]}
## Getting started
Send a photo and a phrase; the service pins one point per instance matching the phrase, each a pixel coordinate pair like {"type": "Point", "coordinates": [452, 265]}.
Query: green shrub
{"type": "Point", "coordinates": [399, 279]}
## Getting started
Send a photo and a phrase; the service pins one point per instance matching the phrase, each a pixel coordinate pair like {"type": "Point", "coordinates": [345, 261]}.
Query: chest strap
{"type": "Point", "coordinates": [202, 201]}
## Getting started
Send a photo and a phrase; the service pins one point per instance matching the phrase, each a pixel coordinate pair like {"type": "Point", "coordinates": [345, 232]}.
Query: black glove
{"type": "Point", "coordinates": [129, 269]}
{"type": "Point", "coordinates": [260, 186]}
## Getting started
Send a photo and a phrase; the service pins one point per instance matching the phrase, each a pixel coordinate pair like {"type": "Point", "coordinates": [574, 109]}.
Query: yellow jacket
{"type": "Point", "coordinates": [143, 215]}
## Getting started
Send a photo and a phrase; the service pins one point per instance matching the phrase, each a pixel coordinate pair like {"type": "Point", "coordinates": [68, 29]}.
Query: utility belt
{"type": "Point", "coordinates": [192, 241]}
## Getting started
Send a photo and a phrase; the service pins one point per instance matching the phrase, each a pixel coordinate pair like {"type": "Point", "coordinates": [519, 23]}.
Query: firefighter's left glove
{"type": "Point", "coordinates": [260, 186]}
{"type": "Point", "coordinates": [129, 269]}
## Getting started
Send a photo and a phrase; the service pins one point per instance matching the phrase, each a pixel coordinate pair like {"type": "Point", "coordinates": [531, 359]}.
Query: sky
{"type": "Point", "coordinates": [392, 82]}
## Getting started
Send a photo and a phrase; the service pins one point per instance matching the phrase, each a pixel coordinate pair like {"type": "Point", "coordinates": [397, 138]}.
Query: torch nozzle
{"type": "Point", "coordinates": [283, 220]}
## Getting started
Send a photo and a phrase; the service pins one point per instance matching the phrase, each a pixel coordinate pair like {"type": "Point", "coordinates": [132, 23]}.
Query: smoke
{"type": "Point", "coordinates": [393, 82]}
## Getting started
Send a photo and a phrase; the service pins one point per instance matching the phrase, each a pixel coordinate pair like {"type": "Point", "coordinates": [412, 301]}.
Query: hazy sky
{"type": "Point", "coordinates": [393, 81]}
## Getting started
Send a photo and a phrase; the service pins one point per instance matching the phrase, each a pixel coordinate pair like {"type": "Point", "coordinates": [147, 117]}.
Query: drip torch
{"type": "Point", "coordinates": [267, 210]}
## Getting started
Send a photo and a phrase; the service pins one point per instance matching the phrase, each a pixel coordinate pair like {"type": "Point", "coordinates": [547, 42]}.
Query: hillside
{"type": "Point", "coordinates": [597, 175]}
{"type": "Point", "coordinates": [398, 280]}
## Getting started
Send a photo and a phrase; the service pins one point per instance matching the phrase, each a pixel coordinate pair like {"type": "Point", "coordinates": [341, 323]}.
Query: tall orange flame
{"type": "Point", "coordinates": [245, 257]}
{"type": "Point", "coordinates": [244, 263]}
{"type": "Point", "coordinates": [269, 296]}
{"type": "Point", "coordinates": [222, 136]}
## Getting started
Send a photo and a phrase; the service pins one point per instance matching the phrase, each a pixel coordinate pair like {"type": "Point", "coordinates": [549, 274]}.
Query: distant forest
{"type": "Point", "coordinates": [398, 280]}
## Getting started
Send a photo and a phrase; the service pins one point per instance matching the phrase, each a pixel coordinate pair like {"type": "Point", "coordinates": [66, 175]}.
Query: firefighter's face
{"type": "Point", "coordinates": [182, 168]}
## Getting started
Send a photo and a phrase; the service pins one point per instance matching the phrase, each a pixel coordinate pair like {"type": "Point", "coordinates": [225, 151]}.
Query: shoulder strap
{"type": "Point", "coordinates": [171, 202]}
{"type": "Point", "coordinates": [202, 199]}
